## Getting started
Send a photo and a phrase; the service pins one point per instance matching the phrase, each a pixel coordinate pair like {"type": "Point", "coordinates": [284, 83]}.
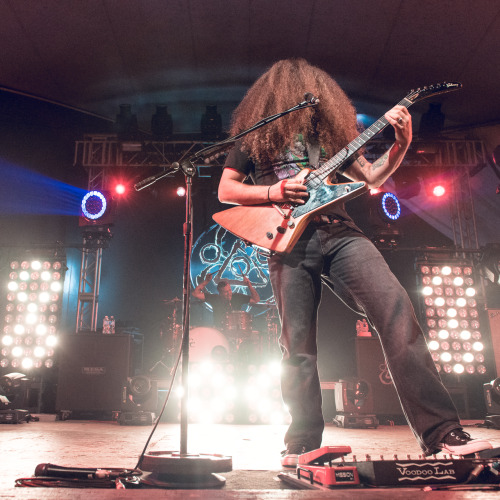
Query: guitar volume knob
{"type": "Point", "coordinates": [269, 235]}
{"type": "Point", "coordinates": [281, 230]}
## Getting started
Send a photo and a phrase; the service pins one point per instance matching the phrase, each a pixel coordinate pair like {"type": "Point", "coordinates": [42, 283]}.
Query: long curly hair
{"type": "Point", "coordinates": [332, 121]}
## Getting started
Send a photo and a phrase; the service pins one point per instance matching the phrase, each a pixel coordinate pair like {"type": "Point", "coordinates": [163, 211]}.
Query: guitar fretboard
{"type": "Point", "coordinates": [334, 163]}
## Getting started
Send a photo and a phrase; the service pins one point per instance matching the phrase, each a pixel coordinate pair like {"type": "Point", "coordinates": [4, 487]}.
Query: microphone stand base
{"type": "Point", "coordinates": [188, 471]}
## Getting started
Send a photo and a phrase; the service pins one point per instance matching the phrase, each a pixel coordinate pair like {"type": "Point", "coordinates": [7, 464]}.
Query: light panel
{"type": "Point", "coordinates": [32, 314]}
{"type": "Point", "coordinates": [449, 302]}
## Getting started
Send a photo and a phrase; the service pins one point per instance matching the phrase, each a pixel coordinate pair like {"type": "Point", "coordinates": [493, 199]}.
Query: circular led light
{"type": "Point", "coordinates": [439, 301]}
{"type": "Point", "coordinates": [446, 271]}
{"type": "Point", "coordinates": [94, 205]}
{"type": "Point", "coordinates": [391, 206]}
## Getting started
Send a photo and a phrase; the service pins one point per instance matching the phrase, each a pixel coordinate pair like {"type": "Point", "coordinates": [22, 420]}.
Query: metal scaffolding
{"type": "Point", "coordinates": [99, 154]}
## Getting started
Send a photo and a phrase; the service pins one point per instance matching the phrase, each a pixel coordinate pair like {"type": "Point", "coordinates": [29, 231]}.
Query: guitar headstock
{"type": "Point", "coordinates": [432, 90]}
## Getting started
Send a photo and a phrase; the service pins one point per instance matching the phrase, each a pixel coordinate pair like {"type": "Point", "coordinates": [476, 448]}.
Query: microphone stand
{"type": "Point", "coordinates": [181, 469]}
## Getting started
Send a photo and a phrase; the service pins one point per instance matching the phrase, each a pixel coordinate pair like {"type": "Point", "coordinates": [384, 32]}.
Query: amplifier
{"type": "Point", "coordinates": [373, 369]}
{"type": "Point", "coordinates": [93, 372]}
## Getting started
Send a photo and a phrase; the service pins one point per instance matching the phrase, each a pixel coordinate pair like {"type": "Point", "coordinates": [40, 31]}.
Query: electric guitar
{"type": "Point", "coordinates": [276, 227]}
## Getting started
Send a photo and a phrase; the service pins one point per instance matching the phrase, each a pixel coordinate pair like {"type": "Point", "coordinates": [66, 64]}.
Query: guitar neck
{"type": "Point", "coordinates": [354, 146]}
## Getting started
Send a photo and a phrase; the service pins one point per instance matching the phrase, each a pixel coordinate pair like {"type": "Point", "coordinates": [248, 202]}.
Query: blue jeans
{"type": "Point", "coordinates": [356, 272]}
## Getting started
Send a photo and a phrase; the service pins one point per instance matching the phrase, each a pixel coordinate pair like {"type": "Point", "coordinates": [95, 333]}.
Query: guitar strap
{"type": "Point", "coordinates": [313, 153]}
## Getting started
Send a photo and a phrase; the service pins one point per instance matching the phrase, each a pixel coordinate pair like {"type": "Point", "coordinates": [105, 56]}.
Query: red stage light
{"type": "Point", "coordinates": [438, 190]}
{"type": "Point", "coordinates": [181, 191]}
{"type": "Point", "coordinates": [120, 188]}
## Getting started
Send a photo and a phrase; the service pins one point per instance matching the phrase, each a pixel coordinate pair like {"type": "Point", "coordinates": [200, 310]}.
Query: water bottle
{"type": "Point", "coordinates": [105, 325]}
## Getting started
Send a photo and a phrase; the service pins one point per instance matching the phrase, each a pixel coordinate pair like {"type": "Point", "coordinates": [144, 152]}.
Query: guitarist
{"type": "Point", "coordinates": [333, 250]}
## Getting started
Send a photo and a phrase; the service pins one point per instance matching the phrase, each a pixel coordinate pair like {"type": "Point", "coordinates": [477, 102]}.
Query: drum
{"type": "Point", "coordinates": [239, 320]}
{"type": "Point", "coordinates": [207, 344]}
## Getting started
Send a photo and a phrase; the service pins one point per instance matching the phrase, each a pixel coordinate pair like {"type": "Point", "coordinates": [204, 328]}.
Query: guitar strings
{"type": "Point", "coordinates": [323, 171]}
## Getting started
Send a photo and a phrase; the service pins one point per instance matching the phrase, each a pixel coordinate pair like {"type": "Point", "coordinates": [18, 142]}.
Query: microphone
{"type": "Point", "coordinates": [309, 97]}
{"type": "Point", "coordinates": [153, 178]}
{"type": "Point", "coordinates": [144, 183]}
{"type": "Point", "coordinates": [72, 472]}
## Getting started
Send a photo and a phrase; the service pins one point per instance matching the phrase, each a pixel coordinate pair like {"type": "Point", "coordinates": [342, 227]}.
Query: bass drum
{"type": "Point", "coordinates": [207, 344]}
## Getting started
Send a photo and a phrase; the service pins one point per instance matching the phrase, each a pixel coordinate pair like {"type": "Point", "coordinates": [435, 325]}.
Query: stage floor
{"type": "Point", "coordinates": [254, 449]}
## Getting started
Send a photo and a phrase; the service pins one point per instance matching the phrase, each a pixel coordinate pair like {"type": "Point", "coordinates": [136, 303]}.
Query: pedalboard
{"type": "Point", "coordinates": [327, 468]}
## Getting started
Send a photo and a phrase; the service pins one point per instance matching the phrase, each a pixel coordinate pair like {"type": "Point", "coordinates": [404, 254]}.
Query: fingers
{"type": "Point", "coordinates": [288, 190]}
{"type": "Point", "coordinates": [399, 117]}
{"type": "Point", "coordinates": [294, 191]}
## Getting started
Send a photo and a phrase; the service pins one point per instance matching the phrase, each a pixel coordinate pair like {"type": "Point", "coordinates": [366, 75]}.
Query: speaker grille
{"type": "Point", "coordinates": [93, 371]}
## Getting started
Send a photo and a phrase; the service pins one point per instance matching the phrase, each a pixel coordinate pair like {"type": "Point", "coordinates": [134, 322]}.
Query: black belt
{"type": "Point", "coordinates": [326, 219]}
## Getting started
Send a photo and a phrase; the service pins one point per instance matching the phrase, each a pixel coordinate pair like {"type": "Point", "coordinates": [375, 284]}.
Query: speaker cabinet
{"type": "Point", "coordinates": [93, 372]}
{"type": "Point", "coordinates": [373, 369]}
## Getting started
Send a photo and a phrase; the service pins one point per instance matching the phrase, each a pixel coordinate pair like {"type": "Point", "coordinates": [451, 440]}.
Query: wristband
{"type": "Point", "coordinates": [268, 197]}
{"type": "Point", "coordinates": [282, 187]}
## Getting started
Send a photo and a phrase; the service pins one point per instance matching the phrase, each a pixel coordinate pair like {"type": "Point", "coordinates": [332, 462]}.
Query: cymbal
{"type": "Point", "coordinates": [173, 301]}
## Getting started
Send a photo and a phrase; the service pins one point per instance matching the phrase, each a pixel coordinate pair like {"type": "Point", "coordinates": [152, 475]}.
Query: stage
{"type": "Point", "coordinates": [254, 449]}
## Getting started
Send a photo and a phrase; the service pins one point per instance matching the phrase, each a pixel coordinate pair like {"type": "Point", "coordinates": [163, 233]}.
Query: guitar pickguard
{"type": "Point", "coordinates": [327, 194]}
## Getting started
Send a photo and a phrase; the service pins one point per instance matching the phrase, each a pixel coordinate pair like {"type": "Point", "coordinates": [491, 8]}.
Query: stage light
{"type": "Point", "coordinates": [94, 205]}
{"type": "Point", "coordinates": [120, 188]}
{"type": "Point", "coordinates": [30, 325]}
{"type": "Point", "coordinates": [249, 394]}
{"type": "Point", "coordinates": [126, 123]}
{"type": "Point", "coordinates": [384, 211]}
{"type": "Point", "coordinates": [181, 191]}
{"type": "Point", "coordinates": [161, 123]}
{"type": "Point", "coordinates": [95, 208]}
{"type": "Point", "coordinates": [390, 206]}
{"type": "Point", "coordinates": [450, 320]}
{"type": "Point", "coordinates": [211, 122]}
{"type": "Point", "coordinates": [438, 190]}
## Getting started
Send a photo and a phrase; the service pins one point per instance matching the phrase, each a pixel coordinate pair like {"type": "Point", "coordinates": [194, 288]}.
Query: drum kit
{"type": "Point", "coordinates": [237, 340]}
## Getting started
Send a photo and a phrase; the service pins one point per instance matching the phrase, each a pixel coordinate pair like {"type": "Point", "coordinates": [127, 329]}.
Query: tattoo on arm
{"type": "Point", "coordinates": [378, 163]}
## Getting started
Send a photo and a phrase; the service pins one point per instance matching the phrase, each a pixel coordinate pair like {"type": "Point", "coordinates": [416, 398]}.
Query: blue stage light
{"type": "Point", "coordinates": [390, 206]}
{"type": "Point", "coordinates": [94, 205]}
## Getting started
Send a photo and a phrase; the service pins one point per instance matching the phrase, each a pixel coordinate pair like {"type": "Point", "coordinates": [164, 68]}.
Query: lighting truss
{"type": "Point", "coordinates": [449, 294]}
{"type": "Point", "coordinates": [32, 313]}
